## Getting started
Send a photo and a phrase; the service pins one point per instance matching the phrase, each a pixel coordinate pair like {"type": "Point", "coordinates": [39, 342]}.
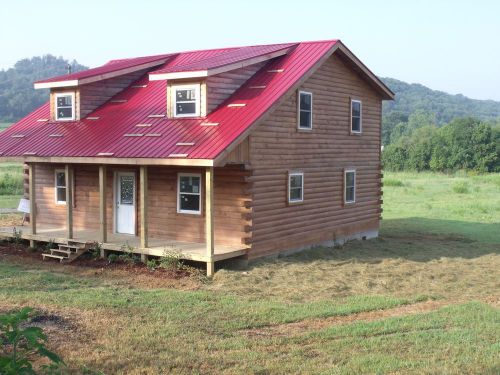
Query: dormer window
{"type": "Point", "coordinates": [187, 100]}
{"type": "Point", "coordinates": [65, 106]}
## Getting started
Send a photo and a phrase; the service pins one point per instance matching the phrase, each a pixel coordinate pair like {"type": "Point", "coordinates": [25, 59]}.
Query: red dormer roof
{"type": "Point", "coordinates": [133, 123]}
{"type": "Point", "coordinates": [229, 60]}
{"type": "Point", "coordinates": [111, 69]}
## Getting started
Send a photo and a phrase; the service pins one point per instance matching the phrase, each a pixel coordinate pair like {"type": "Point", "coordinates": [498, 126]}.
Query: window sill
{"type": "Point", "coordinates": [190, 214]}
{"type": "Point", "coordinates": [297, 203]}
{"type": "Point", "coordinates": [304, 130]}
{"type": "Point", "coordinates": [356, 133]}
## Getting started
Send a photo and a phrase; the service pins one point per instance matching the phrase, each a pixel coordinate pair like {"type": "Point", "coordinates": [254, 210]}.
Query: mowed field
{"type": "Point", "coordinates": [423, 298]}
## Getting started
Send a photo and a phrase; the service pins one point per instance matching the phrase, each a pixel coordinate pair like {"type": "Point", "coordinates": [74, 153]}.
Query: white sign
{"type": "Point", "coordinates": [24, 206]}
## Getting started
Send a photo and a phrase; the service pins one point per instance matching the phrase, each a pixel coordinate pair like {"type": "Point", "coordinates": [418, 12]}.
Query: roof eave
{"type": "Point", "coordinates": [386, 92]}
{"type": "Point", "coordinates": [109, 160]}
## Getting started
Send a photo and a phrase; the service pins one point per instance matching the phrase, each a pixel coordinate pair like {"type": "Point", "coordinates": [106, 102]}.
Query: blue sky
{"type": "Point", "coordinates": [446, 45]}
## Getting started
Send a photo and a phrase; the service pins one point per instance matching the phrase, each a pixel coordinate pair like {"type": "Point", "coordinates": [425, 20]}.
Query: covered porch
{"type": "Point", "coordinates": [98, 192]}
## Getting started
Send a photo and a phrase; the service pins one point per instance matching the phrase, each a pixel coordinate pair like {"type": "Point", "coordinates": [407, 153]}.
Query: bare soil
{"type": "Point", "coordinates": [137, 274]}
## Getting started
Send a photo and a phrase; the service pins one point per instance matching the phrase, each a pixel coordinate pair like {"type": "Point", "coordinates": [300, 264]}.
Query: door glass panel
{"type": "Point", "coordinates": [127, 190]}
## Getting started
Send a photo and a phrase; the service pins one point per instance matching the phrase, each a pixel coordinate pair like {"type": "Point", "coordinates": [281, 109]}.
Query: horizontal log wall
{"type": "Point", "coordinates": [222, 86]}
{"type": "Point", "coordinates": [277, 146]}
{"type": "Point", "coordinates": [231, 197]}
{"type": "Point", "coordinates": [93, 95]}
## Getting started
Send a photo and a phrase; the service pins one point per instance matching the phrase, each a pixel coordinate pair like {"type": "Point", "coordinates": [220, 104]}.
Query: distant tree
{"type": "Point", "coordinates": [17, 95]}
{"type": "Point", "coordinates": [390, 121]}
{"type": "Point", "coordinates": [465, 144]}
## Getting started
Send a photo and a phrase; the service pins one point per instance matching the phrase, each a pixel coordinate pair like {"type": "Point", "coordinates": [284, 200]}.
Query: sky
{"type": "Point", "coordinates": [446, 45]}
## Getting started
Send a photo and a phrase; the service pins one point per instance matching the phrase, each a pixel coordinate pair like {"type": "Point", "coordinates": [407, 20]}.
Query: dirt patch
{"type": "Point", "coordinates": [297, 328]}
{"type": "Point", "coordinates": [136, 274]}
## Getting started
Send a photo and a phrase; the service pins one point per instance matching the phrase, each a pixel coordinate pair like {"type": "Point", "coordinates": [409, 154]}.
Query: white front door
{"type": "Point", "coordinates": [125, 202]}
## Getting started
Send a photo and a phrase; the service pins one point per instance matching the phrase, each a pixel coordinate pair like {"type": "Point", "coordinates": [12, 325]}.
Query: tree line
{"type": "Point", "coordinates": [17, 96]}
{"type": "Point", "coordinates": [419, 144]}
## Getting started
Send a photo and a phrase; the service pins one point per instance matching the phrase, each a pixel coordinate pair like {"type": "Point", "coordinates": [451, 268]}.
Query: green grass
{"type": "Point", "coordinates": [436, 245]}
{"type": "Point", "coordinates": [11, 184]}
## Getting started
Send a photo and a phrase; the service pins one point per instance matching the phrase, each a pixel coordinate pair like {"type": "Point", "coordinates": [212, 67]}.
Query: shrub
{"type": "Point", "coordinates": [49, 245]}
{"type": "Point", "coordinates": [16, 236]}
{"type": "Point", "coordinates": [128, 256]}
{"type": "Point", "coordinates": [151, 264]}
{"type": "Point", "coordinates": [461, 187]}
{"type": "Point", "coordinates": [112, 258]}
{"type": "Point", "coordinates": [95, 250]}
{"type": "Point", "coordinates": [20, 346]}
{"type": "Point", "coordinates": [171, 259]}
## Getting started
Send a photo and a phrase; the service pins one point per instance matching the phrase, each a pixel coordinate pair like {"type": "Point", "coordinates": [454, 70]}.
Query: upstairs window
{"type": "Point", "coordinates": [305, 110]}
{"type": "Point", "coordinates": [65, 107]}
{"type": "Point", "coordinates": [189, 193]}
{"type": "Point", "coordinates": [60, 186]}
{"type": "Point", "coordinates": [186, 101]}
{"type": "Point", "coordinates": [296, 187]}
{"type": "Point", "coordinates": [350, 186]}
{"type": "Point", "coordinates": [356, 117]}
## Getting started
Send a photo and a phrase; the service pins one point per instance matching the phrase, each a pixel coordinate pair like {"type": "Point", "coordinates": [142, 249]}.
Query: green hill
{"type": "Point", "coordinates": [17, 95]}
{"type": "Point", "coordinates": [414, 97]}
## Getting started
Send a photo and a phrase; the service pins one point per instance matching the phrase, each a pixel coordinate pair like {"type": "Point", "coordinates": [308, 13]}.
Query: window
{"type": "Point", "coordinates": [60, 185]}
{"type": "Point", "coordinates": [186, 101]}
{"type": "Point", "coordinates": [65, 107]}
{"type": "Point", "coordinates": [305, 110]}
{"type": "Point", "coordinates": [350, 186]}
{"type": "Point", "coordinates": [356, 116]}
{"type": "Point", "coordinates": [295, 187]}
{"type": "Point", "coordinates": [189, 193]}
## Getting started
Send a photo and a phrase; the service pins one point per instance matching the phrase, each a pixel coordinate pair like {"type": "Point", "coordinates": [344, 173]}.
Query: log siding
{"type": "Point", "coordinates": [277, 148]}
{"type": "Point", "coordinates": [230, 197]}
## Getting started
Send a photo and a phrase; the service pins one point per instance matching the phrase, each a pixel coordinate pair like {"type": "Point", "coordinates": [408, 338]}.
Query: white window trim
{"type": "Point", "coordinates": [179, 211]}
{"type": "Point", "coordinates": [58, 95]}
{"type": "Point", "coordinates": [360, 116]}
{"type": "Point", "coordinates": [290, 175]}
{"type": "Point", "coordinates": [298, 110]}
{"type": "Point", "coordinates": [197, 90]}
{"type": "Point", "coordinates": [63, 203]}
{"type": "Point", "coordinates": [345, 185]}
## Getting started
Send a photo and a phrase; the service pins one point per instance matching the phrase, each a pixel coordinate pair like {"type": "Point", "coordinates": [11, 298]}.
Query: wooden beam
{"type": "Point", "coordinates": [103, 225]}
{"type": "Point", "coordinates": [68, 172]}
{"type": "Point", "coordinates": [144, 205]}
{"type": "Point", "coordinates": [209, 218]}
{"type": "Point", "coordinates": [32, 198]}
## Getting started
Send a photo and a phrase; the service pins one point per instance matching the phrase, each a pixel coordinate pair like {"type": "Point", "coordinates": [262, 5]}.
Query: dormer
{"type": "Point", "coordinates": [197, 86]}
{"type": "Point", "coordinates": [74, 96]}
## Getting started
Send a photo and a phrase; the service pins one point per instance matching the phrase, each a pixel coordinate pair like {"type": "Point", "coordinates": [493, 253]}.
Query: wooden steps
{"type": "Point", "coordinates": [66, 252]}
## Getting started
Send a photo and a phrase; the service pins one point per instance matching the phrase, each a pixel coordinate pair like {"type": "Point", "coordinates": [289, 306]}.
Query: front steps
{"type": "Point", "coordinates": [66, 253]}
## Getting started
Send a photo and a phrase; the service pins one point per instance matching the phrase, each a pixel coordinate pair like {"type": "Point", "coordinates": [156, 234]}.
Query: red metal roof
{"type": "Point", "coordinates": [88, 138]}
{"type": "Point", "coordinates": [229, 57]}
{"type": "Point", "coordinates": [111, 66]}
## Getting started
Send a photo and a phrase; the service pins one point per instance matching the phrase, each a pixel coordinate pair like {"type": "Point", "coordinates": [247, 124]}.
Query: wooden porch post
{"type": "Point", "coordinates": [32, 197]}
{"type": "Point", "coordinates": [103, 225]}
{"type": "Point", "coordinates": [68, 172]}
{"type": "Point", "coordinates": [209, 219]}
{"type": "Point", "coordinates": [144, 208]}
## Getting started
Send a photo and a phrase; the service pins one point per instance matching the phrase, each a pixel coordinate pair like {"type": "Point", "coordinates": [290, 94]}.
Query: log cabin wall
{"type": "Point", "coordinates": [230, 201]}
{"type": "Point", "coordinates": [90, 96]}
{"type": "Point", "coordinates": [222, 86]}
{"type": "Point", "coordinates": [277, 147]}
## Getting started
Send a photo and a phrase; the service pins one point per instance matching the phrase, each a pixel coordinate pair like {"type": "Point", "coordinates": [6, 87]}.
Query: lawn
{"type": "Point", "coordinates": [421, 299]}
{"type": "Point", "coordinates": [11, 184]}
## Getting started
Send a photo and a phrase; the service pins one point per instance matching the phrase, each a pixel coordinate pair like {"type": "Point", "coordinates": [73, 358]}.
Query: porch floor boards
{"type": "Point", "coordinates": [116, 242]}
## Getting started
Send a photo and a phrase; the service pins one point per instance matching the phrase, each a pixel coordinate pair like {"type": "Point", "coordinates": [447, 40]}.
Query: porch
{"type": "Point", "coordinates": [117, 242]}
{"type": "Point", "coordinates": [139, 208]}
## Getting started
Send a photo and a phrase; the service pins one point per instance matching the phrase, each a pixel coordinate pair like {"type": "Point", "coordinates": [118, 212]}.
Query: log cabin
{"type": "Point", "coordinates": [217, 154]}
